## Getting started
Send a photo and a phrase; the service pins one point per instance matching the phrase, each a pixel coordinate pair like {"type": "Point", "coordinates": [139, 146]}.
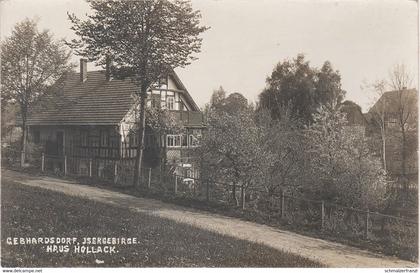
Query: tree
{"type": "Point", "coordinates": [378, 111]}
{"type": "Point", "coordinates": [145, 39]}
{"type": "Point", "coordinates": [406, 113]}
{"type": "Point", "coordinates": [283, 140]}
{"type": "Point", "coordinates": [341, 167]}
{"type": "Point", "coordinates": [395, 114]}
{"type": "Point", "coordinates": [232, 104]}
{"type": "Point", "coordinates": [231, 147]}
{"type": "Point", "coordinates": [217, 97]}
{"type": "Point", "coordinates": [158, 121]}
{"type": "Point", "coordinates": [304, 88]}
{"type": "Point", "coordinates": [31, 62]}
{"type": "Point", "coordinates": [8, 119]}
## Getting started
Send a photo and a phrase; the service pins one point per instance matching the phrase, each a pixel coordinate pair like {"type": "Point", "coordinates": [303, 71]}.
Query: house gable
{"type": "Point", "coordinates": [171, 95]}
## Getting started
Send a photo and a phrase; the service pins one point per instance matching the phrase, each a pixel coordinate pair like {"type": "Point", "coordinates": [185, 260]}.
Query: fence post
{"type": "Point", "coordinates": [322, 214]}
{"type": "Point", "coordinates": [207, 191]}
{"type": "Point", "coordinates": [43, 162]}
{"type": "Point", "coordinates": [90, 167]}
{"type": "Point", "coordinates": [160, 172]}
{"type": "Point", "coordinates": [115, 172]}
{"type": "Point", "coordinates": [22, 158]}
{"type": "Point", "coordinates": [150, 177]}
{"type": "Point", "coordinates": [243, 196]}
{"type": "Point", "coordinates": [282, 204]}
{"type": "Point", "coordinates": [367, 225]}
{"type": "Point", "coordinates": [65, 165]}
{"type": "Point", "coordinates": [176, 184]}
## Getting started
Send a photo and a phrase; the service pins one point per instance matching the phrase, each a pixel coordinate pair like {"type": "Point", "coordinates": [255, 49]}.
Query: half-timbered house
{"type": "Point", "coordinates": [93, 120]}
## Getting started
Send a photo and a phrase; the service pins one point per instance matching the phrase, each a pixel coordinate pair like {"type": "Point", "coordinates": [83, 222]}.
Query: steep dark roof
{"type": "Point", "coordinates": [392, 98]}
{"type": "Point", "coordinates": [93, 102]}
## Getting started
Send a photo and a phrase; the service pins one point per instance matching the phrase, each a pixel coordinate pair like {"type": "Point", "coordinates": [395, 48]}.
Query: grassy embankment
{"type": "Point", "coordinates": [33, 212]}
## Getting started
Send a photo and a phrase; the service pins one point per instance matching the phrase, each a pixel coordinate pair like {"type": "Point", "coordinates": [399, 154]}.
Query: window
{"type": "Point", "coordinates": [189, 173]}
{"type": "Point", "coordinates": [37, 136]}
{"type": "Point", "coordinates": [194, 138]}
{"type": "Point", "coordinates": [193, 141]}
{"type": "Point", "coordinates": [84, 138]}
{"type": "Point", "coordinates": [173, 140]}
{"type": "Point", "coordinates": [94, 141]}
{"type": "Point", "coordinates": [392, 120]}
{"type": "Point", "coordinates": [184, 141]}
{"type": "Point", "coordinates": [132, 139]}
{"type": "Point", "coordinates": [155, 100]}
{"type": "Point", "coordinates": [170, 103]}
{"type": "Point", "coordinates": [104, 138]}
{"type": "Point", "coordinates": [94, 138]}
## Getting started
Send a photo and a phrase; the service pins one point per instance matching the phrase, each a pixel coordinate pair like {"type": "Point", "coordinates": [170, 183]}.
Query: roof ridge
{"type": "Point", "coordinates": [410, 89]}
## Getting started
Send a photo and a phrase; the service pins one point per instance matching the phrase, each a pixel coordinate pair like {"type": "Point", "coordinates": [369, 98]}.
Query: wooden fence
{"type": "Point", "coordinates": [398, 234]}
{"type": "Point", "coordinates": [353, 223]}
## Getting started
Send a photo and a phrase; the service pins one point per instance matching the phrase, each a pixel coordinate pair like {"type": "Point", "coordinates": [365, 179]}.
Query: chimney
{"type": "Point", "coordinates": [83, 70]}
{"type": "Point", "coordinates": [108, 68]}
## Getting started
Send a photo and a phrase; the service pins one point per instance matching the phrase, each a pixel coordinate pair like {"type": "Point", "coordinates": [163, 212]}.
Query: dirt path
{"type": "Point", "coordinates": [330, 253]}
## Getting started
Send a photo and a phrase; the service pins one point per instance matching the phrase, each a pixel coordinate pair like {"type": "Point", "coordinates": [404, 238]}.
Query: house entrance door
{"type": "Point", "coordinates": [54, 150]}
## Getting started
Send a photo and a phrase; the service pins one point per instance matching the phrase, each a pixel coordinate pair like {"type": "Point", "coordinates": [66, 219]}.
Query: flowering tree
{"type": "Point", "coordinates": [231, 147]}
{"type": "Point", "coordinates": [283, 141]}
{"type": "Point", "coordinates": [342, 168]}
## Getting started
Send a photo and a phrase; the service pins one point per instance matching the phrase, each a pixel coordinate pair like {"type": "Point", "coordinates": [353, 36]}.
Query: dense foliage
{"type": "Point", "coordinates": [304, 88]}
{"type": "Point", "coordinates": [327, 160]}
{"type": "Point", "coordinates": [31, 62]}
{"type": "Point", "coordinates": [230, 148]}
{"type": "Point", "coordinates": [144, 39]}
{"type": "Point", "coordinates": [341, 167]}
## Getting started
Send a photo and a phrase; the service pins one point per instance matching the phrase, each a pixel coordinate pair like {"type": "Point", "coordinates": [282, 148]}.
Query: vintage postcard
{"type": "Point", "coordinates": [209, 134]}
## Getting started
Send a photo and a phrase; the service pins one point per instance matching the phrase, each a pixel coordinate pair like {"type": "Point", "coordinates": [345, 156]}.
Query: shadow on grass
{"type": "Point", "coordinates": [34, 212]}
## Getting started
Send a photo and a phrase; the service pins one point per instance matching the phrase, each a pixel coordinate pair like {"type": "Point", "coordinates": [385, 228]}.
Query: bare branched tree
{"type": "Point", "coordinates": [400, 80]}
{"type": "Point", "coordinates": [378, 111]}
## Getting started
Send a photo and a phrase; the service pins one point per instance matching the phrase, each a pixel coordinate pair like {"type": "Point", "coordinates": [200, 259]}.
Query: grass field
{"type": "Point", "coordinates": [33, 212]}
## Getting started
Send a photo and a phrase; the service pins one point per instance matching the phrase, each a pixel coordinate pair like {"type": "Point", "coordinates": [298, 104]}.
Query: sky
{"type": "Point", "coordinates": [247, 38]}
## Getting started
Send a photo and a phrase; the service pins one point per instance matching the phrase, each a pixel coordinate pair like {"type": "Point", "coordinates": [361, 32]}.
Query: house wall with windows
{"type": "Point", "coordinates": [80, 141]}
{"type": "Point", "coordinates": [177, 146]}
{"type": "Point", "coordinates": [95, 118]}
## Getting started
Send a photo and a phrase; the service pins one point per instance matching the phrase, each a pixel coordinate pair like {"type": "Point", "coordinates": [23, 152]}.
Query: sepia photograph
{"type": "Point", "coordinates": [228, 134]}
